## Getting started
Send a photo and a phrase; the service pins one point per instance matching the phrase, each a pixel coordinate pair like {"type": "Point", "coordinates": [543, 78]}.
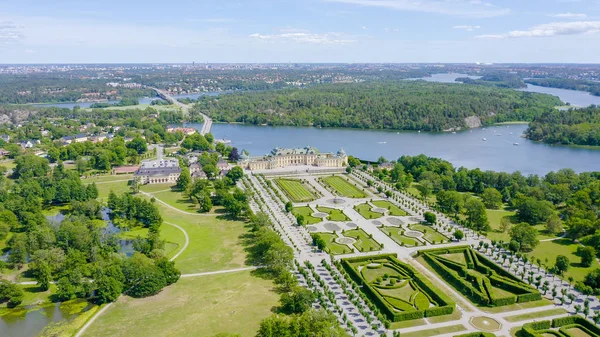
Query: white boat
{"type": "Point", "coordinates": [484, 139]}
{"type": "Point", "coordinates": [454, 132]}
{"type": "Point", "coordinates": [397, 133]}
{"type": "Point", "coordinates": [381, 142]}
{"type": "Point", "coordinates": [419, 131]}
{"type": "Point", "coordinates": [516, 144]}
{"type": "Point", "coordinates": [499, 134]}
{"type": "Point", "coordinates": [510, 133]}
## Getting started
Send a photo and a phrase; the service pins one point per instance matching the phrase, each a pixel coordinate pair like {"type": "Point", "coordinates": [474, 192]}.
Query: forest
{"type": "Point", "coordinates": [498, 79]}
{"type": "Point", "coordinates": [77, 253]}
{"type": "Point", "coordinates": [572, 127]}
{"type": "Point", "coordinates": [405, 105]}
{"type": "Point", "coordinates": [565, 83]}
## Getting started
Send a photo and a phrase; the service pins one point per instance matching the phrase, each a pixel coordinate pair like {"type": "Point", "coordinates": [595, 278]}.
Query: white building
{"type": "Point", "coordinates": [295, 157]}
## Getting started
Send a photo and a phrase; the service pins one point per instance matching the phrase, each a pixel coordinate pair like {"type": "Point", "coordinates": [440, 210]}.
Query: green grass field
{"type": "Point", "coordinates": [551, 249]}
{"type": "Point", "coordinates": [394, 233]}
{"type": "Point", "coordinates": [363, 242]}
{"type": "Point", "coordinates": [365, 211]}
{"type": "Point", "coordinates": [232, 303]}
{"type": "Point", "coordinates": [306, 212]}
{"type": "Point", "coordinates": [332, 246]}
{"type": "Point", "coordinates": [537, 314]}
{"type": "Point", "coordinates": [393, 209]}
{"type": "Point", "coordinates": [334, 214]}
{"type": "Point", "coordinates": [430, 234]}
{"type": "Point", "coordinates": [295, 190]}
{"type": "Point", "coordinates": [343, 187]}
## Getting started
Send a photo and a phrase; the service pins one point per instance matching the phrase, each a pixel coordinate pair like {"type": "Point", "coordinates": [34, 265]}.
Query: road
{"type": "Point", "coordinates": [206, 127]}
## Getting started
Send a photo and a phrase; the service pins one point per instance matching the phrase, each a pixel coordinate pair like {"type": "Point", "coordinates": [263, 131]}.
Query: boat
{"type": "Point", "coordinates": [381, 142]}
{"type": "Point", "coordinates": [516, 144]}
{"type": "Point", "coordinates": [454, 132]}
{"type": "Point", "coordinates": [419, 131]}
{"type": "Point", "coordinates": [499, 134]}
{"type": "Point", "coordinates": [397, 133]}
{"type": "Point", "coordinates": [510, 133]}
{"type": "Point", "coordinates": [484, 139]}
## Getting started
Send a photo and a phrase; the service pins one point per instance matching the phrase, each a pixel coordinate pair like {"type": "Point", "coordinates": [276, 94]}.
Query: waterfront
{"type": "Point", "coordinates": [466, 148]}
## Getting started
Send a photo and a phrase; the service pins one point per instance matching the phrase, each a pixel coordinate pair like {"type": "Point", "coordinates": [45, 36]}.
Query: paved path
{"type": "Point", "coordinates": [187, 240]}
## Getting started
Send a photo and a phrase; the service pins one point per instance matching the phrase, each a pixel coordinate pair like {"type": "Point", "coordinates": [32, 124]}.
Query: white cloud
{"type": "Point", "coordinates": [569, 15]}
{"type": "Point", "coordinates": [468, 28]}
{"type": "Point", "coordinates": [466, 8]}
{"type": "Point", "coordinates": [551, 29]}
{"type": "Point", "coordinates": [10, 33]}
{"type": "Point", "coordinates": [300, 36]}
{"type": "Point", "coordinates": [364, 27]}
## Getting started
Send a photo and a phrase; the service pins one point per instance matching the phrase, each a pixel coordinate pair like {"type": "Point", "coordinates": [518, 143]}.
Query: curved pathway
{"type": "Point", "coordinates": [174, 208]}
{"type": "Point", "coordinates": [101, 311]}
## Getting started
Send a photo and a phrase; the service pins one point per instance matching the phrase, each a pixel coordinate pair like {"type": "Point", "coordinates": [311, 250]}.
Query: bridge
{"type": "Point", "coordinates": [185, 108]}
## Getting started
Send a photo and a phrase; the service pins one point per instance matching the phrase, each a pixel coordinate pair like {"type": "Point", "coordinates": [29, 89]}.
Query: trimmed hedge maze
{"type": "Point", "coordinates": [295, 190]}
{"type": "Point", "coordinates": [398, 290]}
{"type": "Point", "coordinates": [479, 279]}
{"type": "Point", "coordinates": [570, 326]}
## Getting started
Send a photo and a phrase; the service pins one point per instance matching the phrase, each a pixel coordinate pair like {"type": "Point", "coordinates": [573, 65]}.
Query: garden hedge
{"type": "Point", "coordinates": [444, 304]}
{"type": "Point", "coordinates": [479, 287]}
{"type": "Point", "coordinates": [476, 334]}
{"type": "Point", "coordinates": [536, 329]}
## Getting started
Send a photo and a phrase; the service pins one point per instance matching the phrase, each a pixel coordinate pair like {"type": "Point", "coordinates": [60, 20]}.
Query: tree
{"type": "Point", "coordinates": [430, 217]}
{"type": "Point", "coordinates": [348, 169]}
{"type": "Point", "coordinates": [289, 206]}
{"type": "Point", "coordinates": [184, 179]}
{"type": "Point", "coordinates": [504, 224]}
{"type": "Point", "coordinates": [587, 254]}
{"type": "Point", "coordinates": [476, 214]}
{"type": "Point", "coordinates": [300, 219]}
{"type": "Point", "coordinates": [425, 188]}
{"type": "Point", "coordinates": [491, 198]}
{"type": "Point", "coordinates": [297, 301]}
{"type": "Point", "coordinates": [525, 235]}
{"type": "Point", "coordinates": [108, 289]}
{"type": "Point", "coordinates": [235, 174]}
{"type": "Point", "coordinates": [43, 275]}
{"type": "Point", "coordinates": [138, 144]}
{"type": "Point", "coordinates": [171, 273]}
{"type": "Point", "coordinates": [533, 211]}
{"type": "Point", "coordinates": [561, 265]}
{"type": "Point", "coordinates": [514, 246]}
{"type": "Point", "coordinates": [142, 277]}
{"type": "Point", "coordinates": [234, 155]}
{"type": "Point", "coordinates": [134, 187]}
{"type": "Point", "coordinates": [450, 201]}
{"type": "Point", "coordinates": [458, 234]}
{"type": "Point", "coordinates": [554, 225]}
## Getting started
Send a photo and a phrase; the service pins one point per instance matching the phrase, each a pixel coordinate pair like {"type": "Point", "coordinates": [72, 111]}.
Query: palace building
{"type": "Point", "coordinates": [306, 156]}
{"type": "Point", "coordinates": [158, 171]}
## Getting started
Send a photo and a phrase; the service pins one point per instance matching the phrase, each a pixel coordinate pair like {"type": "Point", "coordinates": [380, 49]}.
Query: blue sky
{"type": "Point", "coordinates": [300, 31]}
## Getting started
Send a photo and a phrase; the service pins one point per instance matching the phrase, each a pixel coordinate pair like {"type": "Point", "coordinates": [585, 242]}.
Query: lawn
{"type": "Point", "coordinates": [107, 177]}
{"type": "Point", "coordinates": [233, 303]}
{"type": "Point", "coordinates": [295, 190]}
{"type": "Point", "coordinates": [343, 187]}
{"type": "Point", "coordinates": [334, 214]}
{"type": "Point", "coordinates": [393, 209]}
{"type": "Point", "coordinates": [538, 314]}
{"type": "Point", "coordinates": [431, 235]}
{"type": "Point", "coordinates": [104, 188]}
{"type": "Point", "coordinates": [306, 212]}
{"type": "Point", "coordinates": [394, 233]}
{"type": "Point", "coordinates": [363, 242]}
{"type": "Point", "coordinates": [153, 188]}
{"type": "Point", "coordinates": [366, 212]}
{"type": "Point", "coordinates": [415, 192]}
{"type": "Point", "coordinates": [551, 249]}
{"type": "Point", "coordinates": [333, 247]}
{"type": "Point", "coordinates": [435, 332]}
{"type": "Point", "coordinates": [495, 219]}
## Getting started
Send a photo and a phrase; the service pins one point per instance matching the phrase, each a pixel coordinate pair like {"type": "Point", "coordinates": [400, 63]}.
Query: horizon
{"type": "Point", "coordinates": [311, 31]}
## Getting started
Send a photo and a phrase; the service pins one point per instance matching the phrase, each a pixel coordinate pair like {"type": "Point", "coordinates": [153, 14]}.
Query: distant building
{"type": "Point", "coordinates": [199, 175]}
{"type": "Point", "coordinates": [222, 165]}
{"type": "Point", "coordinates": [295, 157]}
{"type": "Point", "coordinates": [195, 167]}
{"type": "Point", "coordinates": [158, 171]}
{"type": "Point", "coordinates": [5, 138]}
{"type": "Point", "coordinates": [27, 145]}
{"type": "Point", "coordinates": [80, 138]}
{"type": "Point", "coordinates": [386, 165]}
{"type": "Point", "coordinates": [125, 169]}
{"type": "Point", "coordinates": [3, 153]}
{"type": "Point", "coordinates": [186, 131]}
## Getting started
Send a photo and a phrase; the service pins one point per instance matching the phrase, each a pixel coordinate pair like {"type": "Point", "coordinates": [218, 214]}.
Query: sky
{"type": "Point", "coordinates": [253, 31]}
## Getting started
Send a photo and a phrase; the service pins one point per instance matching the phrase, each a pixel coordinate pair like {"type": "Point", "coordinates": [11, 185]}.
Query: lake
{"type": "Point", "coordinates": [574, 97]}
{"type": "Point", "coordinates": [465, 148]}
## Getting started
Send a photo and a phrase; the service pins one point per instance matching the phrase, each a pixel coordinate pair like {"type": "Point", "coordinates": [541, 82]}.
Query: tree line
{"type": "Point", "coordinates": [406, 105]}
{"type": "Point", "coordinates": [572, 127]}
